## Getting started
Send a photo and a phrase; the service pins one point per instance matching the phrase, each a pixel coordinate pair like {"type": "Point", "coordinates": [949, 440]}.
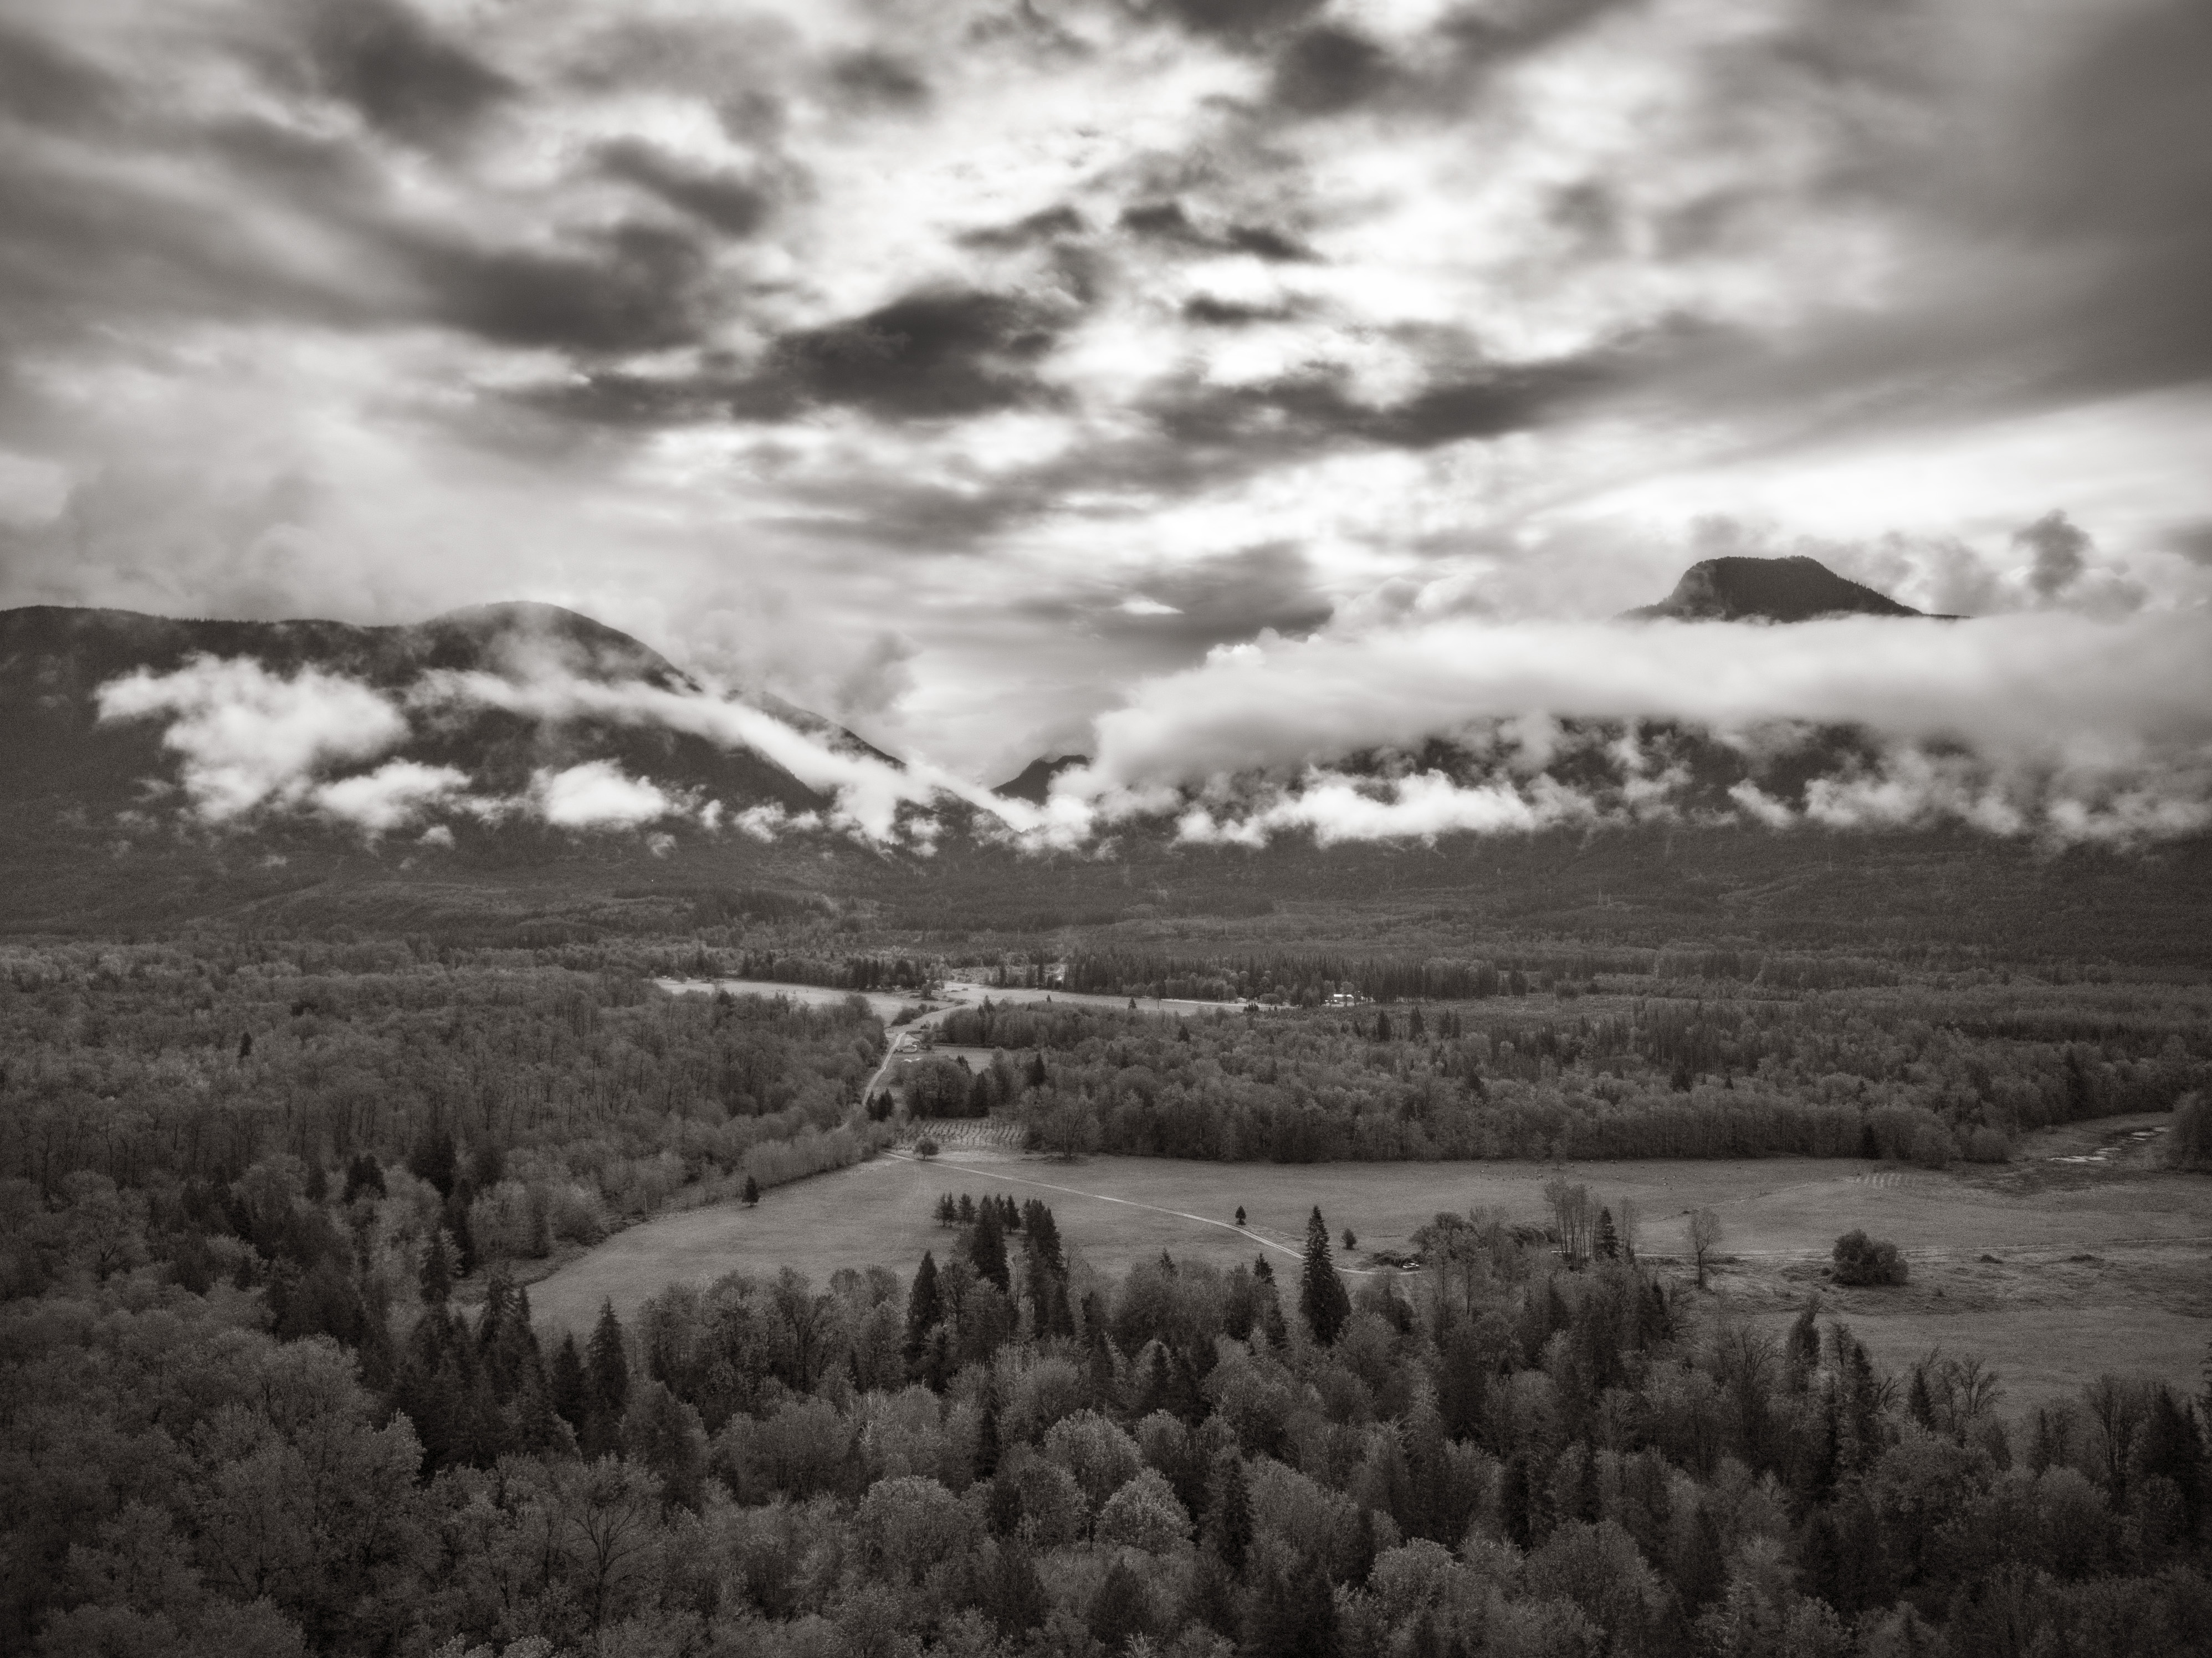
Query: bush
{"type": "Point", "coordinates": [1933, 1146]}
{"type": "Point", "coordinates": [2189, 1141]}
{"type": "Point", "coordinates": [1987, 1145]}
{"type": "Point", "coordinates": [1862, 1259]}
{"type": "Point", "coordinates": [576, 1215]}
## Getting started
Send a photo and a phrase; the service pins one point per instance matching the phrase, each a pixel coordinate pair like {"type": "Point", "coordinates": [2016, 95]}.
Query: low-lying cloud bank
{"type": "Point", "coordinates": [2050, 725]}
{"type": "Point", "coordinates": [250, 741]}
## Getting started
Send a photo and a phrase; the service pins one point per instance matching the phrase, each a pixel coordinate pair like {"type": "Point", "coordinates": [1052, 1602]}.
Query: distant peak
{"type": "Point", "coordinates": [584, 645]}
{"type": "Point", "coordinates": [1035, 780]}
{"type": "Point", "coordinates": [1794, 588]}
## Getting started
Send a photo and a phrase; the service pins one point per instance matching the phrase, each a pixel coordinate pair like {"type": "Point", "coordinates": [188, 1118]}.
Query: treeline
{"type": "Point", "coordinates": [1010, 1456]}
{"type": "Point", "coordinates": [938, 1087]}
{"type": "Point", "coordinates": [157, 1068]}
{"type": "Point", "coordinates": [1307, 979]}
{"type": "Point", "coordinates": [885, 973]}
{"type": "Point", "coordinates": [1863, 1074]}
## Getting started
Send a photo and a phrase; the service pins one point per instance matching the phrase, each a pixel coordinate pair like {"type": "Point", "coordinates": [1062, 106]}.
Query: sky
{"type": "Point", "coordinates": [1008, 377]}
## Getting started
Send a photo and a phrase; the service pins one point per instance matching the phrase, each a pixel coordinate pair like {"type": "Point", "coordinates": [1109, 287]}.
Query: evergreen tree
{"type": "Point", "coordinates": [987, 1248]}
{"type": "Point", "coordinates": [363, 1174]}
{"type": "Point", "coordinates": [539, 1430]}
{"type": "Point", "coordinates": [924, 1309]}
{"type": "Point", "coordinates": [1801, 1351]}
{"type": "Point", "coordinates": [751, 1195]}
{"type": "Point", "coordinates": [2168, 1446]}
{"type": "Point", "coordinates": [569, 1391]}
{"type": "Point", "coordinates": [664, 1433]}
{"type": "Point", "coordinates": [1919, 1402]}
{"type": "Point", "coordinates": [1608, 1240]}
{"type": "Point", "coordinates": [434, 1159]}
{"type": "Point", "coordinates": [1229, 1521]}
{"type": "Point", "coordinates": [1120, 1609]}
{"type": "Point", "coordinates": [1322, 1295]}
{"type": "Point", "coordinates": [1290, 1612]}
{"type": "Point", "coordinates": [1041, 1239]}
{"type": "Point", "coordinates": [986, 1436]}
{"type": "Point", "coordinates": [465, 1241]}
{"type": "Point", "coordinates": [436, 1279]}
{"type": "Point", "coordinates": [607, 1369]}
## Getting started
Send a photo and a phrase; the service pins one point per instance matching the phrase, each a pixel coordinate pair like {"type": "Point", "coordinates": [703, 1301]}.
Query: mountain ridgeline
{"type": "Point", "coordinates": [57, 754]}
{"type": "Point", "coordinates": [98, 829]}
{"type": "Point", "coordinates": [1793, 589]}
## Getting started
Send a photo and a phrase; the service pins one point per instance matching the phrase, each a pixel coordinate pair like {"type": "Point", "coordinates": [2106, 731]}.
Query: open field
{"type": "Point", "coordinates": [953, 992]}
{"type": "Point", "coordinates": [2054, 1270]}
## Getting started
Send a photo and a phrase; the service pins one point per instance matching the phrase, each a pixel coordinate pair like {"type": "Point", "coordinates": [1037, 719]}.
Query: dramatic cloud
{"type": "Point", "coordinates": [2058, 724]}
{"type": "Point", "coordinates": [598, 795]}
{"type": "Point", "coordinates": [869, 790]}
{"type": "Point", "coordinates": [2060, 552]}
{"type": "Point", "coordinates": [248, 736]}
{"type": "Point", "coordinates": [251, 740]}
{"type": "Point", "coordinates": [1062, 342]}
{"type": "Point", "coordinates": [396, 794]}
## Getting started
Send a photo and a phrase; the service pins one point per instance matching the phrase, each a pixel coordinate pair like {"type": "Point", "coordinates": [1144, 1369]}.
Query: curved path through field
{"type": "Point", "coordinates": [1296, 1251]}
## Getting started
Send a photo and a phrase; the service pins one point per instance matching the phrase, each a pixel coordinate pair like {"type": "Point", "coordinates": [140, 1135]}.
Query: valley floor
{"type": "Point", "coordinates": [2053, 1270]}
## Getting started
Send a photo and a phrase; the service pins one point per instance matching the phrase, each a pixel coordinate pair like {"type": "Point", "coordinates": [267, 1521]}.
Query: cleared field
{"type": "Point", "coordinates": [2048, 1319]}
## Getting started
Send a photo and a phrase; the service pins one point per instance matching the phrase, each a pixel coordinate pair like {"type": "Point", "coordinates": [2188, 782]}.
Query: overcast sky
{"type": "Point", "coordinates": [965, 368]}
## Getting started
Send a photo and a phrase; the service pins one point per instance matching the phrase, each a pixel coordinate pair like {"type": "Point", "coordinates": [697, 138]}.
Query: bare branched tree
{"type": "Point", "coordinates": [1704, 1238]}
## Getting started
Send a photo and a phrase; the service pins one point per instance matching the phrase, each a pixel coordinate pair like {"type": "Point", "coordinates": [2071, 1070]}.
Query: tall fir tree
{"type": "Point", "coordinates": [568, 1389]}
{"type": "Point", "coordinates": [607, 1373]}
{"type": "Point", "coordinates": [987, 1247]}
{"type": "Point", "coordinates": [1322, 1295]}
{"type": "Point", "coordinates": [437, 1279]}
{"type": "Point", "coordinates": [1228, 1523]}
{"type": "Point", "coordinates": [924, 1309]}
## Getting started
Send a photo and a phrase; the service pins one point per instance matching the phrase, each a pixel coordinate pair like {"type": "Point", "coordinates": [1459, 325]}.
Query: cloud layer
{"type": "Point", "coordinates": [953, 368]}
{"type": "Point", "coordinates": [252, 743]}
{"type": "Point", "coordinates": [2053, 724]}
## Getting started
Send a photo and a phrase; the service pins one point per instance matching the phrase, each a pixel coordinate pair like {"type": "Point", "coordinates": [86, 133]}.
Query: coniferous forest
{"type": "Point", "coordinates": [1520, 1452]}
{"type": "Point", "coordinates": [270, 1382]}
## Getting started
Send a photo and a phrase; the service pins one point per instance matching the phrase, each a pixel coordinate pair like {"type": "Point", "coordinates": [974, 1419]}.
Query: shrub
{"type": "Point", "coordinates": [2189, 1141]}
{"type": "Point", "coordinates": [1862, 1259]}
{"type": "Point", "coordinates": [1987, 1145]}
{"type": "Point", "coordinates": [576, 1215]}
{"type": "Point", "coordinates": [1933, 1146]}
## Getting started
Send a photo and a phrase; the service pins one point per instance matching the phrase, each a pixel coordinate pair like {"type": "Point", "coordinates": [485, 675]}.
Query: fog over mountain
{"type": "Point", "coordinates": [968, 371]}
{"type": "Point", "coordinates": [1763, 693]}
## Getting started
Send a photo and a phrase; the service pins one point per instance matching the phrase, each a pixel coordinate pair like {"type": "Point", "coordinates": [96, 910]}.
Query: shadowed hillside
{"type": "Point", "coordinates": [1793, 589]}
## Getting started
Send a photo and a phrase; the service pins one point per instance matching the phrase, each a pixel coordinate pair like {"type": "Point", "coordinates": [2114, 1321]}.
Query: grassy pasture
{"type": "Point", "coordinates": [2047, 1320]}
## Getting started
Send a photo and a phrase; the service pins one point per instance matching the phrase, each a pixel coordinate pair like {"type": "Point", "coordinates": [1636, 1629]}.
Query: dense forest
{"type": "Point", "coordinates": [268, 1384]}
{"type": "Point", "coordinates": [1925, 1074]}
{"type": "Point", "coordinates": [1520, 1452]}
{"type": "Point", "coordinates": [541, 1099]}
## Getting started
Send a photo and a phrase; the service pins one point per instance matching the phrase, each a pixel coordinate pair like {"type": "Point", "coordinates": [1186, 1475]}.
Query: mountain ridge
{"type": "Point", "coordinates": [1793, 588]}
